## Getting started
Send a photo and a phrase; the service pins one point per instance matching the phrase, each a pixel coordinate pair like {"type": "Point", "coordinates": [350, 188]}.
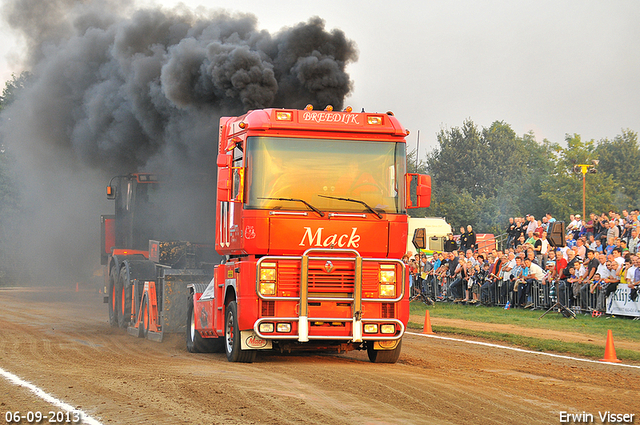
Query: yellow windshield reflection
{"type": "Point", "coordinates": [305, 168]}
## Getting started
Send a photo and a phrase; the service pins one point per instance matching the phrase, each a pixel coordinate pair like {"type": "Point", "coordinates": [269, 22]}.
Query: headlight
{"type": "Point", "coordinates": [266, 327]}
{"type": "Point", "coordinates": [267, 274]}
{"type": "Point", "coordinates": [387, 273]}
{"type": "Point", "coordinates": [370, 328]}
{"type": "Point", "coordinates": [268, 279]}
{"type": "Point", "coordinates": [283, 327]}
{"type": "Point", "coordinates": [268, 288]}
{"type": "Point", "coordinates": [387, 291]}
{"type": "Point", "coordinates": [387, 329]}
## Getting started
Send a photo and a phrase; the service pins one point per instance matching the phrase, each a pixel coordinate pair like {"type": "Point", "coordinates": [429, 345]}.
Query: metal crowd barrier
{"type": "Point", "coordinates": [541, 295]}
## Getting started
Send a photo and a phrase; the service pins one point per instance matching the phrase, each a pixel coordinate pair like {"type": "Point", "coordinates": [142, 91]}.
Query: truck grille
{"type": "Point", "coordinates": [341, 280]}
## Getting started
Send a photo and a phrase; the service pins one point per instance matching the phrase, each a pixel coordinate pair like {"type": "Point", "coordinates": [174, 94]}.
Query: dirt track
{"type": "Point", "coordinates": [61, 342]}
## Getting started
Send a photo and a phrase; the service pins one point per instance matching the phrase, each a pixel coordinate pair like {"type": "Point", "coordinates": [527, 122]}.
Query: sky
{"type": "Point", "coordinates": [550, 67]}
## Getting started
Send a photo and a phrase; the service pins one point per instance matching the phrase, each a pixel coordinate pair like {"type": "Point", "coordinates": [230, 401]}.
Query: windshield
{"type": "Point", "coordinates": [303, 169]}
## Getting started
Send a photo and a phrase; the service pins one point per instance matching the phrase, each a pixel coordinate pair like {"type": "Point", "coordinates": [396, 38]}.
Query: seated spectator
{"type": "Point", "coordinates": [534, 276]}
{"type": "Point", "coordinates": [599, 247]}
{"type": "Point", "coordinates": [609, 283]}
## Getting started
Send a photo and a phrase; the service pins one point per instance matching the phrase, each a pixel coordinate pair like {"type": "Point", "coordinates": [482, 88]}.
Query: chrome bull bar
{"type": "Point", "coordinates": [357, 299]}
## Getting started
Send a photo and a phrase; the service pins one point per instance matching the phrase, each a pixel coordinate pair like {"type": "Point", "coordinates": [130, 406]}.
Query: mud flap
{"type": "Point", "coordinates": [173, 306]}
{"type": "Point", "coordinates": [250, 341]}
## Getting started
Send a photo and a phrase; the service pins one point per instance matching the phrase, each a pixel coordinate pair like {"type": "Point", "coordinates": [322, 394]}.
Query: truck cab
{"type": "Point", "coordinates": [311, 216]}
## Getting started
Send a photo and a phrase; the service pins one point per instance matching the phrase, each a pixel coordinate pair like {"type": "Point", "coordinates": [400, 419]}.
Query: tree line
{"type": "Point", "coordinates": [483, 176]}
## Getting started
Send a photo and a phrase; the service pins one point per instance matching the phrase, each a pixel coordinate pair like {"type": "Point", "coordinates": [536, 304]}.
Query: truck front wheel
{"type": "Point", "coordinates": [384, 356]}
{"type": "Point", "coordinates": [113, 297]}
{"type": "Point", "coordinates": [123, 293]}
{"type": "Point", "coordinates": [232, 344]}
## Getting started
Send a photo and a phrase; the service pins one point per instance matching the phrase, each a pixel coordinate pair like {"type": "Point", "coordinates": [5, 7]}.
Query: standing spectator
{"type": "Point", "coordinates": [581, 250]}
{"type": "Point", "coordinates": [537, 247]}
{"type": "Point", "coordinates": [550, 219]}
{"type": "Point", "coordinates": [520, 230]}
{"type": "Point", "coordinates": [450, 243]}
{"type": "Point", "coordinates": [516, 279]}
{"type": "Point", "coordinates": [532, 225]}
{"type": "Point", "coordinates": [634, 240]}
{"type": "Point", "coordinates": [613, 231]}
{"type": "Point", "coordinates": [588, 225]}
{"type": "Point", "coordinates": [602, 233]}
{"type": "Point", "coordinates": [634, 282]}
{"type": "Point", "coordinates": [471, 239]}
{"type": "Point", "coordinates": [506, 277]}
{"type": "Point", "coordinates": [464, 239]}
{"type": "Point", "coordinates": [564, 286]}
{"type": "Point", "coordinates": [544, 250]}
{"type": "Point", "coordinates": [511, 230]}
{"type": "Point", "coordinates": [617, 257]}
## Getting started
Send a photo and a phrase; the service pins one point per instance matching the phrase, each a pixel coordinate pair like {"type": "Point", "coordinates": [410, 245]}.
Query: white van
{"type": "Point", "coordinates": [436, 229]}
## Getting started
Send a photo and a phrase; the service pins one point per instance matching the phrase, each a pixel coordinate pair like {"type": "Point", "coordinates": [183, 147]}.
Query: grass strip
{"type": "Point", "coordinates": [623, 328]}
{"type": "Point", "coordinates": [536, 344]}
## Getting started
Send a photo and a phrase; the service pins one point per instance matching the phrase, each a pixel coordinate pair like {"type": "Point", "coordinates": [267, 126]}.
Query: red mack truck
{"type": "Point", "coordinates": [310, 225]}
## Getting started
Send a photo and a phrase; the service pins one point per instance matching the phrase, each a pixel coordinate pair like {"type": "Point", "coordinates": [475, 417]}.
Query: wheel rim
{"type": "Point", "coordinates": [193, 326]}
{"type": "Point", "coordinates": [146, 315]}
{"type": "Point", "coordinates": [229, 333]}
{"type": "Point", "coordinates": [113, 298]}
{"type": "Point", "coordinates": [122, 301]}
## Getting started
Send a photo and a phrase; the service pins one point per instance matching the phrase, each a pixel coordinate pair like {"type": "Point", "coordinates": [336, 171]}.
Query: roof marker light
{"type": "Point", "coordinates": [348, 109]}
{"type": "Point", "coordinates": [329, 108]}
{"type": "Point", "coordinates": [284, 116]}
{"type": "Point", "coordinates": [374, 120]}
{"type": "Point", "coordinates": [309, 107]}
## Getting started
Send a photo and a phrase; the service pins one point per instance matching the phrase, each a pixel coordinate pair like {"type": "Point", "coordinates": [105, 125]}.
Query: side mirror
{"type": "Point", "coordinates": [224, 177]}
{"type": "Point", "coordinates": [422, 190]}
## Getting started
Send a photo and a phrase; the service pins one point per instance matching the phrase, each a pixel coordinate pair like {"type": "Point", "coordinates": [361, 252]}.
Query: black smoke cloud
{"type": "Point", "coordinates": [117, 89]}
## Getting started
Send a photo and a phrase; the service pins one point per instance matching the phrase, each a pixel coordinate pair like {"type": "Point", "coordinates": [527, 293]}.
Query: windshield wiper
{"type": "Point", "coordinates": [356, 201]}
{"type": "Point", "coordinates": [320, 213]}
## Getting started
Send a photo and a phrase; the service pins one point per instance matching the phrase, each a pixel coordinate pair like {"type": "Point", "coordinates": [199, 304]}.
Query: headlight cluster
{"type": "Point", "coordinates": [279, 327]}
{"type": "Point", "coordinates": [386, 328]}
{"type": "Point", "coordinates": [268, 279]}
{"type": "Point", "coordinates": [387, 281]}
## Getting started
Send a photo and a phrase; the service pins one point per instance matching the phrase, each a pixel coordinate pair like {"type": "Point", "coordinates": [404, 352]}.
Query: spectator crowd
{"type": "Point", "coordinates": [529, 272]}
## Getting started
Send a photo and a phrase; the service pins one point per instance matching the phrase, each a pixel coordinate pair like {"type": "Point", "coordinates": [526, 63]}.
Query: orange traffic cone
{"type": "Point", "coordinates": [427, 324]}
{"type": "Point", "coordinates": [610, 350]}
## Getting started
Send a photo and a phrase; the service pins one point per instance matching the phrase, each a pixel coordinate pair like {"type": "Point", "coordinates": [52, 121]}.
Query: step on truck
{"type": "Point", "coordinates": [310, 225]}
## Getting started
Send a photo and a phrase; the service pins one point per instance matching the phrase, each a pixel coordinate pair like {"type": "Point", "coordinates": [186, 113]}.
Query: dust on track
{"type": "Point", "coordinates": [61, 341]}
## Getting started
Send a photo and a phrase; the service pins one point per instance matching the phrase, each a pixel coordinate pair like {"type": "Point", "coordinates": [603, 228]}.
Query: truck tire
{"type": "Point", "coordinates": [143, 328]}
{"type": "Point", "coordinates": [113, 299]}
{"type": "Point", "coordinates": [232, 344]}
{"type": "Point", "coordinates": [384, 356]}
{"type": "Point", "coordinates": [124, 297]}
